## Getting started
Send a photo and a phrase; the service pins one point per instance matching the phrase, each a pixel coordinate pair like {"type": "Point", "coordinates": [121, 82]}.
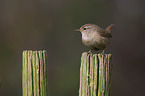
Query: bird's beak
{"type": "Point", "coordinates": [77, 30]}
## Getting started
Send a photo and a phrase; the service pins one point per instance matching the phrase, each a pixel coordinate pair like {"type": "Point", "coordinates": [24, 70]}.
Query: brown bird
{"type": "Point", "coordinates": [94, 37]}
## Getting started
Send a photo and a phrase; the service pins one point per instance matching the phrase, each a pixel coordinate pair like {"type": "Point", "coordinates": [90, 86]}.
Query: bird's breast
{"type": "Point", "coordinates": [94, 41]}
{"type": "Point", "coordinates": [90, 38]}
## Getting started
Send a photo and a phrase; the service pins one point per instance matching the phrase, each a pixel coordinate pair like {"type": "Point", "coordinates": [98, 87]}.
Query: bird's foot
{"type": "Point", "coordinates": [103, 52]}
{"type": "Point", "coordinates": [90, 52]}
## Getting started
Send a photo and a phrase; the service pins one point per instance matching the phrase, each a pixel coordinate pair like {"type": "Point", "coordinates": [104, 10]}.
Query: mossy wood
{"type": "Point", "coordinates": [95, 74]}
{"type": "Point", "coordinates": [34, 73]}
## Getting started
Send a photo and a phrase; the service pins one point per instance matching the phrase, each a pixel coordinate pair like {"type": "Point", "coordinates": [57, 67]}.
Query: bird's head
{"type": "Point", "coordinates": [87, 28]}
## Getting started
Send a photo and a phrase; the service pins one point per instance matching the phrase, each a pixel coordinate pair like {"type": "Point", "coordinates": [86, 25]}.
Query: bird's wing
{"type": "Point", "coordinates": [104, 33]}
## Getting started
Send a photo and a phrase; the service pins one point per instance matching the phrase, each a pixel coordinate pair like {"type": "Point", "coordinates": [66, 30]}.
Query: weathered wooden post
{"type": "Point", "coordinates": [95, 74]}
{"type": "Point", "coordinates": [34, 73]}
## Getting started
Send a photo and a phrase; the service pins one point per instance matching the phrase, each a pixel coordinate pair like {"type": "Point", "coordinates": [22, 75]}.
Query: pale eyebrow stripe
{"type": "Point", "coordinates": [88, 27]}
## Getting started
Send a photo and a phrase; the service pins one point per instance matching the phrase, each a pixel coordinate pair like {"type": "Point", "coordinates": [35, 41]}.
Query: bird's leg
{"type": "Point", "coordinates": [103, 52]}
{"type": "Point", "coordinates": [90, 52]}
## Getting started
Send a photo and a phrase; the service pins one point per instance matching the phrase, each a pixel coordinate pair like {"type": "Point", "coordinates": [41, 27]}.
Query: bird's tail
{"type": "Point", "coordinates": [109, 27]}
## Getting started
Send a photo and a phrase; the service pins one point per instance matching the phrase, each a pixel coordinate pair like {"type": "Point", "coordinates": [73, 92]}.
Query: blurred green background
{"type": "Point", "coordinates": [49, 25]}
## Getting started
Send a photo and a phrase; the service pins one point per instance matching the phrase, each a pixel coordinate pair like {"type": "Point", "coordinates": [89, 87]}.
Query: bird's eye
{"type": "Point", "coordinates": [85, 28]}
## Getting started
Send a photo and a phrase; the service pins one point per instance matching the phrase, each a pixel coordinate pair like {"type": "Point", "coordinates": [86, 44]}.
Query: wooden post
{"type": "Point", "coordinates": [95, 74]}
{"type": "Point", "coordinates": [34, 73]}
